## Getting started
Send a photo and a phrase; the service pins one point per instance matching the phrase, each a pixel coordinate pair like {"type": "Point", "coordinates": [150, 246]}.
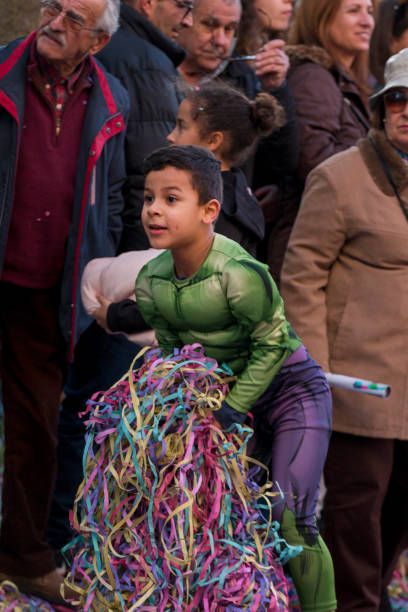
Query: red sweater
{"type": "Point", "coordinates": [44, 186]}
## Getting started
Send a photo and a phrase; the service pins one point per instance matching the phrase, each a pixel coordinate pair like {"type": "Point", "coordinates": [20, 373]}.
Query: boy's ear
{"type": "Point", "coordinates": [215, 141]}
{"type": "Point", "coordinates": [211, 211]}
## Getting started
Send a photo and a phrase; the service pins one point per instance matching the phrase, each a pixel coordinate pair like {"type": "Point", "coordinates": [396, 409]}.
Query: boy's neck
{"type": "Point", "coordinates": [188, 260]}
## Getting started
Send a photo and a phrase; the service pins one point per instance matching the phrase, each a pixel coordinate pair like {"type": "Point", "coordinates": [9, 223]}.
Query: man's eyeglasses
{"type": "Point", "coordinates": [395, 101]}
{"type": "Point", "coordinates": [184, 5]}
{"type": "Point", "coordinates": [52, 9]}
{"type": "Point", "coordinates": [240, 58]}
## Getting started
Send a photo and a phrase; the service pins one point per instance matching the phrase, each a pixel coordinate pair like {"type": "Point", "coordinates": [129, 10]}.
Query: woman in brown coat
{"type": "Point", "coordinates": [345, 286]}
{"type": "Point", "coordinates": [328, 76]}
{"type": "Point", "coordinates": [328, 48]}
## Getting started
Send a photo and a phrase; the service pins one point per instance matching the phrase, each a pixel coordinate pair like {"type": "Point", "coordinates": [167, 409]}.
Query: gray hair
{"type": "Point", "coordinates": [109, 22]}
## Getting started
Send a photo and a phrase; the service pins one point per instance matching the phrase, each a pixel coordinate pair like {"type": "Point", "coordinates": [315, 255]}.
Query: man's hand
{"type": "Point", "coordinates": [272, 65]}
{"type": "Point", "coordinates": [101, 312]}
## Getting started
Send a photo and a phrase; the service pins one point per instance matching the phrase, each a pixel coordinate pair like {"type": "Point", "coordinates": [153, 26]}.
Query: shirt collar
{"type": "Point", "coordinates": [401, 153]}
{"type": "Point", "coordinates": [50, 75]}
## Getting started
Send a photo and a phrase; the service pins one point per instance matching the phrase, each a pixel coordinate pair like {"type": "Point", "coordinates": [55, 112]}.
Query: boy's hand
{"type": "Point", "coordinates": [101, 312]}
{"type": "Point", "coordinates": [227, 416]}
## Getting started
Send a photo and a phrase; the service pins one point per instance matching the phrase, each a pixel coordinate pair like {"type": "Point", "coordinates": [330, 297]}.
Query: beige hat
{"type": "Point", "coordinates": [395, 75]}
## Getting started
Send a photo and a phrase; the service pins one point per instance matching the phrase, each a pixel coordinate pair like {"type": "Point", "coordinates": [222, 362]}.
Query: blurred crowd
{"type": "Point", "coordinates": [314, 155]}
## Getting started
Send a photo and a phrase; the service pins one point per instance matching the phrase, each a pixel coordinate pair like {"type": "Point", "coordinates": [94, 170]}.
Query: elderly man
{"type": "Point", "coordinates": [209, 46]}
{"type": "Point", "coordinates": [62, 125]}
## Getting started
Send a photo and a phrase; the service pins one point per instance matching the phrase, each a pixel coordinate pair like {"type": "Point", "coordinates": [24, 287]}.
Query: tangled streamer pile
{"type": "Point", "coordinates": [398, 589]}
{"type": "Point", "coordinates": [11, 600]}
{"type": "Point", "coordinates": [168, 516]}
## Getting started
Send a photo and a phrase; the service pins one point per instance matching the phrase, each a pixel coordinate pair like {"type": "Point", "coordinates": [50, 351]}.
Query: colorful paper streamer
{"type": "Point", "coordinates": [169, 516]}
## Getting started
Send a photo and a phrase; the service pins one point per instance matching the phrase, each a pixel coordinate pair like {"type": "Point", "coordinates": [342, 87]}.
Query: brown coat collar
{"type": "Point", "coordinates": [397, 166]}
{"type": "Point", "coordinates": [301, 54]}
{"type": "Point", "coordinates": [298, 54]}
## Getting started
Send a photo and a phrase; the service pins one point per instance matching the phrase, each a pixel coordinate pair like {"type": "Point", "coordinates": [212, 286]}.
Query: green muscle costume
{"type": "Point", "coordinates": [230, 305]}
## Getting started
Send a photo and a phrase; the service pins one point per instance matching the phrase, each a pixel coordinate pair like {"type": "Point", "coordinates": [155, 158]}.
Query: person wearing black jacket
{"type": "Point", "coordinates": [145, 60]}
{"type": "Point", "coordinates": [240, 217]}
{"type": "Point", "coordinates": [143, 55]}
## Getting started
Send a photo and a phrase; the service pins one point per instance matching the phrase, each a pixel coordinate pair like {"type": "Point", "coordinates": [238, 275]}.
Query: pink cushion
{"type": "Point", "coordinates": [115, 277]}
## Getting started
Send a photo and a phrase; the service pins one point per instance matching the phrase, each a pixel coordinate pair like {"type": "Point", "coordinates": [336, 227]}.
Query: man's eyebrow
{"type": "Point", "coordinates": [215, 20]}
{"type": "Point", "coordinates": [210, 19]}
{"type": "Point", "coordinates": [76, 16]}
{"type": "Point", "coordinates": [72, 13]}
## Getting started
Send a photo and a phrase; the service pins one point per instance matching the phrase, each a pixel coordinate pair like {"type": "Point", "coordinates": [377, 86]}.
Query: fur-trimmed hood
{"type": "Point", "coordinates": [396, 165]}
{"type": "Point", "coordinates": [298, 54]}
{"type": "Point", "coordinates": [303, 54]}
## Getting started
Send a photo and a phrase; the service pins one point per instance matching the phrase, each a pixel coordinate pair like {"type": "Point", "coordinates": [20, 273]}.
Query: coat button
{"type": "Point", "coordinates": [91, 152]}
{"type": "Point", "coordinates": [118, 124]}
{"type": "Point", "coordinates": [108, 130]}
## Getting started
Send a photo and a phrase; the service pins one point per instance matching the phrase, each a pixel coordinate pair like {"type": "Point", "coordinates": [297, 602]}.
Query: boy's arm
{"type": "Point", "coordinates": [255, 302]}
{"type": "Point", "coordinates": [124, 316]}
{"type": "Point", "coordinates": [166, 336]}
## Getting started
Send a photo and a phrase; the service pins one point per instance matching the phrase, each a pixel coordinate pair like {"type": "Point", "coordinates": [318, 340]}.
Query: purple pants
{"type": "Point", "coordinates": [292, 422]}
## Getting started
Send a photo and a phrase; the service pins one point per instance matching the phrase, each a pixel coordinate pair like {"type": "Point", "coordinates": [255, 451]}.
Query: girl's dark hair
{"type": "Point", "coordinates": [391, 23]}
{"type": "Point", "coordinates": [250, 36]}
{"type": "Point", "coordinates": [251, 33]}
{"type": "Point", "coordinates": [204, 168]}
{"type": "Point", "coordinates": [218, 107]}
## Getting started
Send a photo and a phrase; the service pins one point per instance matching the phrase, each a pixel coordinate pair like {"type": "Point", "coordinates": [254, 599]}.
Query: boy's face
{"type": "Point", "coordinates": [172, 216]}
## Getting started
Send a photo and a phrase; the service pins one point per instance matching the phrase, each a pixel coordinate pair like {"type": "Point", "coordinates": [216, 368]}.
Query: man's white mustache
{"type": "Point", "coordinates": [59, 38]}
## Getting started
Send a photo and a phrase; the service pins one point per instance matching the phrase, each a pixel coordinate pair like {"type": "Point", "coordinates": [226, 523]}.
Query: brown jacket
{"type": "Point", "coordinates": [330, 112]}
{"type": "Point", "coordinates": [331, 117]}
{"type": "Point", "coordinates": [345, 282]}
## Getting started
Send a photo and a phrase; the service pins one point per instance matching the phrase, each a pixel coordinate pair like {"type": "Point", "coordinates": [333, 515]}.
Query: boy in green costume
{"type": "Point", "coordinates": [207, 289]}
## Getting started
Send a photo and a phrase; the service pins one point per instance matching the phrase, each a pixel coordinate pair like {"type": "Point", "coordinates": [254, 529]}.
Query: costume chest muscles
{"type": "Point", "coordinates": [197, 304]}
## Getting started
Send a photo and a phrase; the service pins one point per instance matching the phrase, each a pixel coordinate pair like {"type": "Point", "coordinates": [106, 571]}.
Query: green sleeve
{"type": "Point", "coordinates": [167, 337]}
{"type": "Point", "coordinates": [255, 303]}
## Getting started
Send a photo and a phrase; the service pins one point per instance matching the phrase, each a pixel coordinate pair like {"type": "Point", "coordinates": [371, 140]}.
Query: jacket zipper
{"type": "Point", "coordinates": [14, 170]}
{"type": "Point", "coordinates": [74, 293]}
